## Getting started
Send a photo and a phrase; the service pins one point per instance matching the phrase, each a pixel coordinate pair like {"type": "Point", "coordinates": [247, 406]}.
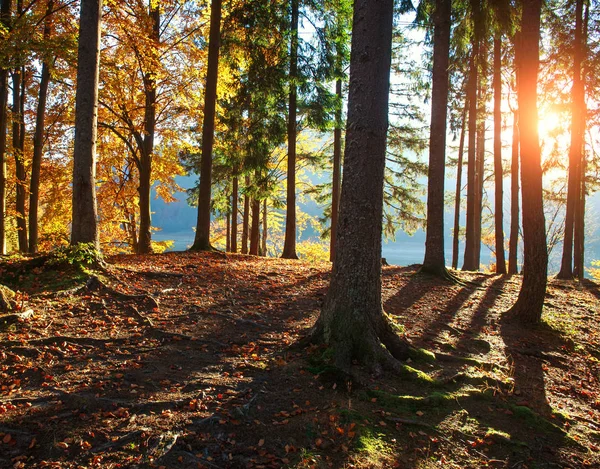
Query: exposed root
{"type": "Point", "coordinates": [94, 283]}
{"type": "Point", "coordinates": [442, 273]}
{"type": "Point", "coordinates": [57, 340]}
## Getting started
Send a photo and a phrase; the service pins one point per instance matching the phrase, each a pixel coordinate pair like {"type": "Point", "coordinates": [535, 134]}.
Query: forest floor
{"type": "Point", "coordinates": [187, 360]}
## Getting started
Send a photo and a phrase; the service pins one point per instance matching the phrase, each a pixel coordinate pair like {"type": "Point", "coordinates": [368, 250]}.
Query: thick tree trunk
{"type": "Point", "coordinates": [470, 259]}
{"type": "Point", "coordinates": [336, 181]}
{"type": "Point", "coordinates": [234, 214]}
{"type": "Point", "coordinates": [289, 244]}
{"type": "Point", "coordinates": [529, 305]}
{"type": "Point", "coordinates": [18, 144]}
{"type": "Point", "coordinates": [255, 228]}
{"type": "Point", "coordinates": [84, 225]}
{"type": "Point", "coordinates": [459, 171]}
{"type": "Point", "coordinates": [434, 261]}
{"type": "Point", "coordinates": [576, 149]}
{"type": "Point", "coordinates": [38, 143]}
{"type": "Point", "coordinates": [147, 151]}
{"type": "Point", "coordinates": [202, 239]}
{"type": "Point", "coordinates": [352, 320]}
{"type": "Point", "coordinates": [514, 199]}
{"type": "Point", "coordinates": [246, 218]}
{"type": "Point", "coordinates": [498, 172]}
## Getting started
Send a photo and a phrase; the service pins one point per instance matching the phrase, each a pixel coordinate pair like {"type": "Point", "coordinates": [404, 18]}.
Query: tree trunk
{"type": "Point", "coordinates": [498, 172]}
{"type": "Point", "coordinates": [234, 214]}
{"type": "Point", "coordinates": [352, 321]}
{"type": "Point", "coordinates": [529, 305]}
{"type": "Point", "coordinates": [18, 141]}
{"type": "Point", "coordinates": [470, 260]}
{"type": "Point", "coordinates": [228, 231]}
{"type": "Point", "coordinates": [579, 229]}
{"type": "Point", "coordinates": [4, 19]}
{"type": "Point", "coordinates": [337, 170]}
{"type": "Point", "coordinates": [255, 228]}
{"type": "Point", "coordinates": [202, 239]}
{"type": "Point", "coordinates": [3, 125]}
{"type": "Point", "coordinates": [480, 156]}
{"type": "Point", "coordinates": [264, 229]}
{"type": "Point", "coordinates": [514, 199]}
{"type": "Point", "coordinates": [459, 171]}
{"type": "Point", "coordinates": [434, 261]}
{"type": "Point", "coordinates": [576, 149]}
{"type": "Point", "coordinates": [289, 244]}
{"type": "Point", "coordinates": [84, 221]}
{"type": "Point", "coordinates": [146, 152]}
{"type": "Point", "coordinates": [38, 141]}
{"type": "Point", "coordinates": [246, 218]}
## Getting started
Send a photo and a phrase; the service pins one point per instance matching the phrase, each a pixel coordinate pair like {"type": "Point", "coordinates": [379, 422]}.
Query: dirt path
{"type": "Point", "coordinates": [184, 360]}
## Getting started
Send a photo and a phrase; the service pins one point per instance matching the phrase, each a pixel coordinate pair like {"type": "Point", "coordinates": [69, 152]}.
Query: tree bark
{"type": "Point", "coordinates": [434, 261]}
{"type": "Point", "coordinates": [289, 244]}
{"type": "Point", "coordinates": [202, 239]}
{"type": "Point", "coordinates": [228, 231]}
{"type": "Point", "coordinates": [18, 144]}
{"type": "Point", "coordinates": [529, 305]}
{"type": "Point", "coordinates": [337, 170]}
{"type": "Point", "coordinates": [38, 141]}
{"type": "Point", "coordinates": [255, 228]}
{"type": "Point", "coordinates": [5, 20]}
{"type": "Point", "coordinates": [144, 245]}
{"type": "Point", "coordinates": [498, 172]}
{"type": "Point", "coordinates": [576, 148]}
{"type": "Point", "coordinates": [264, 229]}
{"type": "Point", "coordinates": [234, 214]}
{"type": "Point", "coordinates": [514, 199]}
{"type": "Point", "coordinates": [246, 218]}
{"type": "Point", "coordinates": [352, 321]}
{"type": "Point", "coordinates": [470, 260]}
{"type": "Point", "coordinates": [459, 171]}
{"type": "Point", "coordinates": [84, 221]}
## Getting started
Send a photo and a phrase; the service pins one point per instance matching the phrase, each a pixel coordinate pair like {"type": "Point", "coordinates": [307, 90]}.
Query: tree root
{"type": "Point", "coordinates": [57, 340]}
{"type": "Point", "coordinates": [13, 318]}
{"type": "Point", "coordinates": [442, 273]}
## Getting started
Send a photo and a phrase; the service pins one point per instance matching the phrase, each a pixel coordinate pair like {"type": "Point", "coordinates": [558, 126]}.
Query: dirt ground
{"type": "Point", "coordinates": [188, 360]}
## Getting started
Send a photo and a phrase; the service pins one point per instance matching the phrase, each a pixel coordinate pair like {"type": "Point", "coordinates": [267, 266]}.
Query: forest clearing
{"type": "Point", "coordinates": [191, 360]}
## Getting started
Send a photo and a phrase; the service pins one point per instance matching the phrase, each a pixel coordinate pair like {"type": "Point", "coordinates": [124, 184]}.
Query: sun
{"type": "Point", "coordinates": [550, 123]}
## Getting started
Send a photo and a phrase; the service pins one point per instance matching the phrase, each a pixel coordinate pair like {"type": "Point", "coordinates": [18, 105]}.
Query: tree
{"type": "Point", "coordinates": [289, 246]}
{"type": "Point", "coordinates": [578, 110]}
{"type": "Point", "coordinates": [4, 19]}
{"type": "Point", "coordinates": [434, 261]}
{"type": "Point", "coordinates": [498, 173]}
{"type": "Point", "coordinates": [530, 302]}
{"type": "Point", "coordinates": [38, 140]}
{"type": "Point", "coordinates": [202, 238]}
{"type": "Point", "coordinates": [352, 322]}
{"type": "Point", "coordinates": [84, 215]}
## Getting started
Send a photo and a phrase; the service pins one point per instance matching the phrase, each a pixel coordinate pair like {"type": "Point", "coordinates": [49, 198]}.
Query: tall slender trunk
{"type": "Point", "coordinates": [264, 229]}
{"type": "Point", "coordinates": [147, 148]}
{"type": "Point", "coordinates": [246, 218]}
{"type": "Point", "coordinates": [38, 141]}
{"type": "Point", "coordinates": [459, 171]}
{"type": "Point", "coordinates": [480, 152]}
{"type": "Point", "coordinates": [576, 149]}
{"type": "Point", "coordinates": [470, 259]}
{"type": "Point", "coordinates": [434, 261]}
{"type": "Point", "coordinates": [337, 170]}
{"type": "Point", "coordinates": [289, 245]}
{"type": "Point", "coordinates": [228, 231]}
{"type": "Point", "coordinates": [202, 239]}
{"type": "Point", "coordinates": [84, 220]}
{"type": "Point", "coordinates": [579, 229]}
{"type": "Point", "coordinates": [234, 214]}
{"type": "Point", "coordinates": [4, 19]}
{"type": "Point", "coordinates": [255, 228]}
{"type": "Point", "coordinates": [529, 305]}
{"type": "Point", "coordinates": [18, 141]}
{"type": "Point", "coordinates": [498, 172]}
{"type": "Point", "coordinates": [514, 199]}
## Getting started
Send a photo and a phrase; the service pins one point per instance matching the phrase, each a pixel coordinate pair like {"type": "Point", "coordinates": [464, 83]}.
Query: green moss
{"type": "Point", "coordinates": [417, 376]}
{"type": "Point", "coordinates": [422, 355]}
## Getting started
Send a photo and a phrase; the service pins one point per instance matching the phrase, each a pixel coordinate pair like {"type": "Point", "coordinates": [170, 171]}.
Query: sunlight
{"type": "Point", "coordinates": [549, 124]}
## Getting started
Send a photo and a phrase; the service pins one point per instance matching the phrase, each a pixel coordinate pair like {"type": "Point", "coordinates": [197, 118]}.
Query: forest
{"type": "Point", "coordinates": [255, 348]}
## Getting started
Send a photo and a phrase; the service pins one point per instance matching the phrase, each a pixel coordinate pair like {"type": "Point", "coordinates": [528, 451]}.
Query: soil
{"type": "Point", "coordinates": [191, 360]}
